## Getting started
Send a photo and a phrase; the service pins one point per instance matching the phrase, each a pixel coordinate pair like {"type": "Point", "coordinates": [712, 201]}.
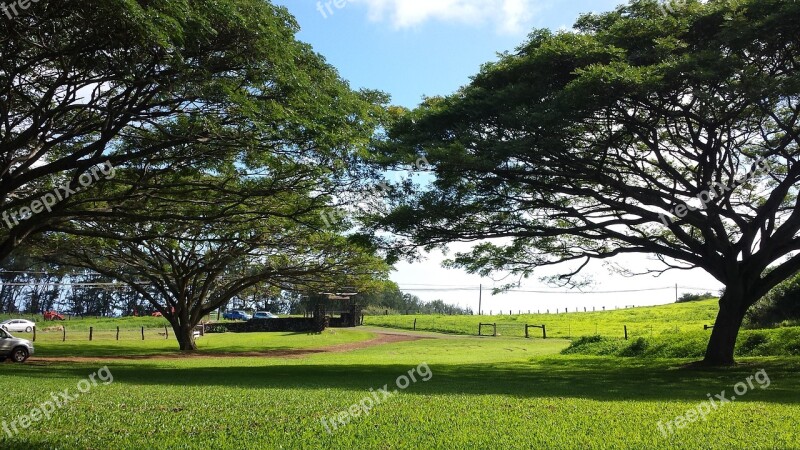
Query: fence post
{"type": "Point", "coordinates": [117, 333]}
{"type": "Point", "coordinates": [626, 332]}
{"type": "Point", "coordinates": [64, 331]}
{"type": "Point", "coordinates": [494, 325]}
{"type": "Point", "coordinates": [526, 331]}
{"type": "Point", "coordinates": [544, 331]}
{"type": "Point", "coordinates": [91, 331]}
{"type": "Point", "coordinates": [34, 334]}
{"type": "Point", "coordinates": [142, 333]}
{"type": "Point", "coordinates": [166, 333]}
{"type": "Point", "coordinates": [415, 324]}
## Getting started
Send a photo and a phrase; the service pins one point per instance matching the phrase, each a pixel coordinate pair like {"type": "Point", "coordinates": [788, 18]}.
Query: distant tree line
{"type": "Point", "coordinates": [692, 297]}
{"type": "Point", "coordinates": [393, 299]}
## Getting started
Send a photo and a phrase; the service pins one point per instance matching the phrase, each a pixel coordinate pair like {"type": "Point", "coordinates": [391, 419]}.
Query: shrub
{"type": "Point", "coordinates": [751, 343]}
{"type": "Point", "coordinates": [636, 348]}
{"type": "Point", "coordinates": [776, 342]}
{"type": "Point", "coordinates": [780, 307]}
{"type": "Point", "coordinates": [592, 345]}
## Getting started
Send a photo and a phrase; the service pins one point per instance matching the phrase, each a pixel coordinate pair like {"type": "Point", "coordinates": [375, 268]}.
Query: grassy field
{"type": "Point", "coordinates": [642, 321]}
{"type": "Point", "coordinates": [211, 343]}
{"type": "Point", "coordinates": [480, 392]}
{"type": "Point", "coordinates": [98, 323]}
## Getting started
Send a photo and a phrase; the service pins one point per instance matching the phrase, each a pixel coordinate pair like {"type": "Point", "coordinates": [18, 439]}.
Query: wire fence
{"type": "Point", "coordinates": [63, 333]}
{"type": "Point", "coordinates": [518, 326]}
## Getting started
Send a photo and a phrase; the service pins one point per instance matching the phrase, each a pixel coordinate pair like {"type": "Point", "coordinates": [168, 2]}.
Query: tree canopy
{"type": "Point", "coordinates": [157, 87]}
{"type": "Point", "coordinates": [639, 131]}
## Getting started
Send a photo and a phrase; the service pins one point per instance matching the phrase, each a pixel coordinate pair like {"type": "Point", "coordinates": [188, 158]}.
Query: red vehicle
{"type": "Point", "coordinates": [52, 315]}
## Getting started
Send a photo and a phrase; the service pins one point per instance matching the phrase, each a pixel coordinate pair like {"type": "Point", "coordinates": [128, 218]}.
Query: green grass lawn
{"type": "Point", "coordinates": [505, 393]}
{"type": "Point", "coordinates": [641, 321]}
{"type": "Point", "coordinates": [106, 345]}
{"type": "Point", "coordinates": [484, 392]}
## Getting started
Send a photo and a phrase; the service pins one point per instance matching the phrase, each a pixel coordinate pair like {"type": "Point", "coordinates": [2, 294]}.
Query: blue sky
{"type": "Point", "coordinates": [410, 48]}
{"type": "Point", "coordinates": [413, 48]}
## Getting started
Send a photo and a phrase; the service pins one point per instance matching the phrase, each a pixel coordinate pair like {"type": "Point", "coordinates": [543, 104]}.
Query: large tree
{"type": "Point", "coordinates": [187, 276]}
{"type": "Point", "coordinates": [261, 232]}
{"type": "Point", "coordinates": [151, 86]}
{"type": "Point", "coordinates": [666, 131]}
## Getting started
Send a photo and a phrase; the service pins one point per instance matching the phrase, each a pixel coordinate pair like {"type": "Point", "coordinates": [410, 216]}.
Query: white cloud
{"type": "Point", "coordinates": [509, 16]}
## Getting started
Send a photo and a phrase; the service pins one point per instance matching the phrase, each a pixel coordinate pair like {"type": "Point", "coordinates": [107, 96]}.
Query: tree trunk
{"type": "Point", "coordinates": [185, 334]}
{"type": "Point", "coordinates": [721, 346]}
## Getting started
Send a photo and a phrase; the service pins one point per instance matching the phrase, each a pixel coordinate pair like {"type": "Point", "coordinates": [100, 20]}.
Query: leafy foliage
{"type": "Point", "coordinates": [635, 132]}
{"type": "Point", "coordinates": [780, 307]}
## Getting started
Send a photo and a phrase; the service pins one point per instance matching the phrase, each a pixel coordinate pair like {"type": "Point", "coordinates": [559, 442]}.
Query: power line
{"type": "Point", "coordinates": [592, 292]}
{"type": "Point", "coordinates": [533, 291]}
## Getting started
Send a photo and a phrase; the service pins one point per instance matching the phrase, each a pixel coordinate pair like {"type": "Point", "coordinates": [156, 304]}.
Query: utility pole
{"type": "Point", "coordinates": [480, 298]}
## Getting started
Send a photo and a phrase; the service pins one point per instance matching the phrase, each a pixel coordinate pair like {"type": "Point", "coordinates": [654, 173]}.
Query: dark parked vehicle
{"type": "Point", "coordinates": [236, 315]}
{"type": "Point", "coordinates": [15, 348]}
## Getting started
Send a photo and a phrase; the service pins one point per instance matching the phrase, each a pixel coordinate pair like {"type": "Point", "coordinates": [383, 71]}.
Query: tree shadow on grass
{"type": "Point", "coordinates": [132, 351]}
{"type": "Point", "coordinates": [602, 379]}
{"type": "Point", "coordinates": [22, 444]}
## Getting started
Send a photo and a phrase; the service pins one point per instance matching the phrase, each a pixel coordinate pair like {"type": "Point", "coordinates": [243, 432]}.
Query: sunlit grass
{"type": "Point", "coordinates": [641, 321]}
{"type": "Point", "coordinates": [154, 344]}
{"type": "Point", "coordinates": [484, 393]}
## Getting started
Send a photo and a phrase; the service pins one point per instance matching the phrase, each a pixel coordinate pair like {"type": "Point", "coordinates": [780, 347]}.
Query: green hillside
{"type": "Point", "coordinates": [641, 321]}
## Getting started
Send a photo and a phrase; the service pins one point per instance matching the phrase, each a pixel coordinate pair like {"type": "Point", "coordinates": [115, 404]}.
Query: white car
{"type": "Point", "coordinates": [264, 315]}
{"type": "Point", "coordinates": [18, 325]}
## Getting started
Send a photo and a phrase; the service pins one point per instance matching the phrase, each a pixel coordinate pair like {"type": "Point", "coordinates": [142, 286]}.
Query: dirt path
{"type": "Point", "coordinates": [382, 338]}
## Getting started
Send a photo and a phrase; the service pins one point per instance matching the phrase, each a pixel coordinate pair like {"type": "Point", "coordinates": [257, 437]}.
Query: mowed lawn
{"type": "Point", "coordinates": [504, 393]}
